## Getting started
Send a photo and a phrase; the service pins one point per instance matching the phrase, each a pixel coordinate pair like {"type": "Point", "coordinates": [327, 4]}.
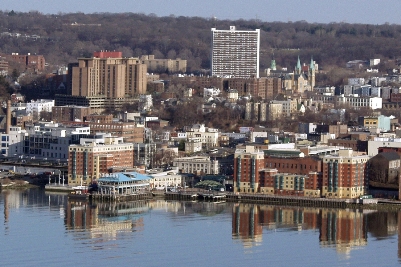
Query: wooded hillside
{"type": "Point", "coordinates": [61, 38]}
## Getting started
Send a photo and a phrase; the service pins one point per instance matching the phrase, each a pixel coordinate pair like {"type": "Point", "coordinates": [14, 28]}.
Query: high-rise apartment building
{"type": "Point", "coordinates": [108, 75]}
{"type": "Point", "coordinates": [235, 53]}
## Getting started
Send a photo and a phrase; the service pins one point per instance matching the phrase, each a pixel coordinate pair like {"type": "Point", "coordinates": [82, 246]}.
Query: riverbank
{"type": "Point", "coordinates": [197, 194]}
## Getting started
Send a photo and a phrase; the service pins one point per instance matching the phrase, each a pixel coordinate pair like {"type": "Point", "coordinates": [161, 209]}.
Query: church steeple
{"type": "Point", "coordinates": [312, 64]}
{"type": "Point", "coordinates": [311, 73]}
{"type": "Point", "coordinates": [273, 64]}
{"type": "Point", "coordinates": [298, 68]}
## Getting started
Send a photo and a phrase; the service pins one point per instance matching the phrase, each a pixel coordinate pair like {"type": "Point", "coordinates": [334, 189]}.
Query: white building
{"type": "Point", "coordinates": [193, 145]}
{"type": "Point", "coordinates": [198, 165]}
{"type": "Point", "coordinates": [178, 136]}
{"type": "Point", "coordinates": [161, 180]}
{"type": "Point", "coordinates": [210, 92]}
{"type": "Point", "coordinates": [357, 102]}
{"type": "Point", "coordinates": [255, 135]}
{"type": "Point", "coordinates": [232, 95]}
{"type": "Point", "coordinates": [12, 144]}
{"type": "Point", "coordinates": [39, 106]}
{"type": "Point", "coordinates": [51, 140]}
{"type": "Point", "coordinates": [373, 145]}
{"type": "Point", "coordinates": [235, 53]}
{"type": "Point", "coordinates": [208, 139]}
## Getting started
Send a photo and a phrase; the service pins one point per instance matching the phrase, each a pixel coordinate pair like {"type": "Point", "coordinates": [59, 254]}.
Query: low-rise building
{"type": "Point", "coordinates": [193, 145]}
{"type": "Point", "coordinates": [197, 165]}
{"type": "Point", "coordinates": [69, 113]}
{"type": "Point", "coordinates": [274, 183]}
{"type": "Point", "coordinates": [165, 179]}
{"type": "Point", "coordinates": [358, 102]}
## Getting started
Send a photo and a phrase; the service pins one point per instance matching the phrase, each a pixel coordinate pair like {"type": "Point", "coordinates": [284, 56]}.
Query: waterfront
{"type": "Point", "coordinates": [45, 229]}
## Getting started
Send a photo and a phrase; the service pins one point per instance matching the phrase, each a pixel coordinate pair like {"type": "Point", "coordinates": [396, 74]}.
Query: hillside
{"type": "Point", "coordinates": [61, 38]}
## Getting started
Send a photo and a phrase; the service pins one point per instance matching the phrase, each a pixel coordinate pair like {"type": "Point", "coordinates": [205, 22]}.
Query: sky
{"type": "Point", "coordinates": [320, 11]}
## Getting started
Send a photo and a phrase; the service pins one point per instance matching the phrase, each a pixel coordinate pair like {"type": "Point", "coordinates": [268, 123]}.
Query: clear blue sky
{"type": "Point", "coordinates": [325, 11]}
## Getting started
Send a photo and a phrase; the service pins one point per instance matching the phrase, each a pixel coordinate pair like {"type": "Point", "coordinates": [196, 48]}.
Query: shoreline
{"type": "Point", "coordinates": [385, 204]}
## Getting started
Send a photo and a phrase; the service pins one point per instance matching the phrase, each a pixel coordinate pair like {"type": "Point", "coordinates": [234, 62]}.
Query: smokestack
{"type": "Point", "coordinates": [8, 122]}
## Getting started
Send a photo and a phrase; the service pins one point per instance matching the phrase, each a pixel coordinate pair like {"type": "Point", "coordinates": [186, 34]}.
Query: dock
{"type": "Point", "coordinates": [192, 194]}
{"type": "Point", "coordinates": [58, 188]}
{"type": "Point", "coordinates": [122, 197]}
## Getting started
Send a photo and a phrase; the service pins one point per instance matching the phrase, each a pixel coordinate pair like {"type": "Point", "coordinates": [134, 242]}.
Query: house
{"type": "Point", "coordinates": [384, 169]}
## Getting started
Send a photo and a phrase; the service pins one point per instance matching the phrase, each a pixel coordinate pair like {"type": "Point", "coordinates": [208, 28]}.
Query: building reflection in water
{"type": "Point", "coordinates": [246, 224]}
{"type": "Point", "coordinates": [104, 221]}
{"type": "Point", "coordinates": [342, 229]}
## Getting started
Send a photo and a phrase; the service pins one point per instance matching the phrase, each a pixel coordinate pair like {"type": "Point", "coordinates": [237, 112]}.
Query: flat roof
{"type": "Point", "coordinates": [124, 177]}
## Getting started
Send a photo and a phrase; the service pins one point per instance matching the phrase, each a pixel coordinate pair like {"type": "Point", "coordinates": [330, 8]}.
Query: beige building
{"type": "Point", "coordinates": [109, 76]}
{"type": "Point", "coordinates": [193, 145]}
{"type": "Point", "coordinates": [170, 65]}
{"type": "Point", "coordinates": [161, 180]}
{"type": "Point", "coordinates": [275, 111]}
{"type": "Point", "coordinates": [289, 106]}
{"type": "Point", "coordinates": [208, 139]}
{"type": "Point", "coordinates": [198, 165]}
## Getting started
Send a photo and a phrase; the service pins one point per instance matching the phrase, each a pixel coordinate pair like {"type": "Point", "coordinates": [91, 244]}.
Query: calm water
{"type": "Point", "coordinates": [41, 229]}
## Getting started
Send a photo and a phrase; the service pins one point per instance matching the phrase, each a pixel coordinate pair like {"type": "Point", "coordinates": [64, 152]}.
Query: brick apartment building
{"type": "Point", "coordinates": [36, 63]}
{"type": "Point", "coordinates": [247, 167]}
{"type": "Point", "coordinates": [69, 113]}
{"type": "Point", "coordinates": [94, 157]}
{"type": "Point", "coordinates": [344, 175]}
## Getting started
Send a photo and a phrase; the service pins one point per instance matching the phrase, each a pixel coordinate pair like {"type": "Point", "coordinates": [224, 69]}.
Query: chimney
{"type": "Point", "coordinates": [8, 122]}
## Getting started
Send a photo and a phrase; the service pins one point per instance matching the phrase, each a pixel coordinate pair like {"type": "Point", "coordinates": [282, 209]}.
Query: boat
{"type": "Point", "coordinates": [78, 194]}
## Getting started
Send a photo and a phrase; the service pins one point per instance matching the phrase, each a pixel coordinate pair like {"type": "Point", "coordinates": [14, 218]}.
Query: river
{"type": "Point", "coordinates": [41, 229]}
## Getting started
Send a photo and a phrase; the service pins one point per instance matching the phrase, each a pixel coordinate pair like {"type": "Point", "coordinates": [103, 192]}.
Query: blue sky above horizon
{"type": "Point", "coordinates": [323, 11]}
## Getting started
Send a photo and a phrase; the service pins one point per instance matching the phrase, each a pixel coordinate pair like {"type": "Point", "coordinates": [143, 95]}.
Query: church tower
{"type": "Point", "coordinates": [298, 68]}
{"type": "Point", "coordinates": [311, 73]}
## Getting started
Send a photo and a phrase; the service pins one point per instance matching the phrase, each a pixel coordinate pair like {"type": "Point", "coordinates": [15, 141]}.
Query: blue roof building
{"type": "Point", "coordinates": [123, 183]}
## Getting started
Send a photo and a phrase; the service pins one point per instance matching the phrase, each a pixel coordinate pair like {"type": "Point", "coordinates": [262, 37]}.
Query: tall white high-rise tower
{"type": "Point", "coordinates": [235, 53]}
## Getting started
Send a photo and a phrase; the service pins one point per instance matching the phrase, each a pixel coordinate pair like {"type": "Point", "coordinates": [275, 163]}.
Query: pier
{"type": "Point", "coordinates": [192, 194]}
{"type": "Point", "coordinates": [122, 197]}
{"type": "Point", "coordinates": [288, 200]}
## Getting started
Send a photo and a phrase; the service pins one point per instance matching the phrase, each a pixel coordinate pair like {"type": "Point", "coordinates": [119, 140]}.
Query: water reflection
{"type": "Point", "coordinates": [97, 223]}
{"type": "Point", "coordinates": [340, 229]}
{"type": "Point", "coordinates": [105, 221]}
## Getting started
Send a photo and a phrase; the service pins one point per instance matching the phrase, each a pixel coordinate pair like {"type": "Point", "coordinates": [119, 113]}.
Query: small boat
{"type": "Point", "coordinates": [78, 194]}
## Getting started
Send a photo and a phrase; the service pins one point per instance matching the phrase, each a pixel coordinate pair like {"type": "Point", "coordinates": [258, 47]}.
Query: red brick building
{"type": "Point", "coordinates": [34, 63]}
{"type": "Point", "coordinates": [108, 54]}
{"type": "Point", "coordinates": [274, 183]}
{"type": "Point", "coordinates": [294, 165]}
{"type": "Point", "coordinates": [247, 168]}
{"type": "Point", "coordinates": [344, 175]}
{"type": "Point", "coordinates": [277, 175]}
{"type": "Point", "coordinates": [88, 161]}
{"type": "Point", "coordinates": [69, 113]}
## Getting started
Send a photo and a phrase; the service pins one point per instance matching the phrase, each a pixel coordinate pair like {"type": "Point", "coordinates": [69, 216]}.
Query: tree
{"type": "Point", "coordinates": [15, 75]}
{"type": "Point", "coordinates": [181, 145]}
